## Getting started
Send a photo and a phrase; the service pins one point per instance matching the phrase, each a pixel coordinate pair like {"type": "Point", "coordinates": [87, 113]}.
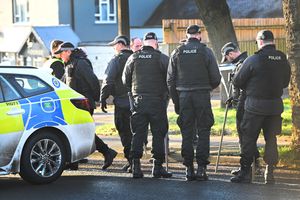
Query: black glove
{"type": "Point", "coordinates": [231, 102]}
{"type": "Point", "coordinates": [103, 105]}
{"type": "Point", "coordinates": [176, 106]}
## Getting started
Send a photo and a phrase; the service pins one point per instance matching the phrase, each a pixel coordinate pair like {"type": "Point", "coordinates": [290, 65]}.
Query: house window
{"type": "Point", "coordinates": [21, 11]}
{"type": "Point", "coordinates": [105, 11]}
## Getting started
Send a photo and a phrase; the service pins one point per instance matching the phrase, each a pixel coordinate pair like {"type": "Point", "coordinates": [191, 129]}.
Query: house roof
{"type": "Point", "coordinates": [187, 9]}
{"type": "Point", "coordinates": [45, 34]}
{"type": "Point", "coordinates": [14, 38]}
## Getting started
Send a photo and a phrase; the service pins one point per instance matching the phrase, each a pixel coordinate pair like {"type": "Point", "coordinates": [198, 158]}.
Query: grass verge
{"type": "Point", "coordinates": [230, 129]}
{"type": "Point", "coordinates": [287, 156]}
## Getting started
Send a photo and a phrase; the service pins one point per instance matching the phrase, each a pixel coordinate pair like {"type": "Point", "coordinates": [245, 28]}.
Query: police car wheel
{"type": "Point", "coordinates": [43, 158]}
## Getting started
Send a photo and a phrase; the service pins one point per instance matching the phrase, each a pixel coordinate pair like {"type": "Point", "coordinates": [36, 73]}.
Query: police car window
{"type": "Point", "coordinates": [8, 92]}
{"type": "Point", "coordinates": [29, 85]}
{"type": "Point", "coordinates": [1, 93]}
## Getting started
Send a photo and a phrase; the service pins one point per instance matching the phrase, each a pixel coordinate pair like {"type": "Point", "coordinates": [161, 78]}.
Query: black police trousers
{"type": "Point", "coordinates": [122, 123]}
{"type": "Point", "coordinates": [149, 110]}
{"type": "Point", "coordinates": [100, 145]}
{"type": "Point", "coordinates": [251, 127]}
{"type": "Point", "coordinates": [240, 110]}
{"type": "Point", "coordinates": [195, 110]}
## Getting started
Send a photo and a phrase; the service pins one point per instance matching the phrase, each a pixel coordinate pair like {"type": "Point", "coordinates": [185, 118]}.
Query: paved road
{"type": "Point", "coordinates": [89, 182]}
{"type": "Point", "coordinates": [81, 187]}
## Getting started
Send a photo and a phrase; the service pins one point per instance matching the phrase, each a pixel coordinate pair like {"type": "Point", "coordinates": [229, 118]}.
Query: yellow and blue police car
{"type": "Point", "coordinates": [44, 125]}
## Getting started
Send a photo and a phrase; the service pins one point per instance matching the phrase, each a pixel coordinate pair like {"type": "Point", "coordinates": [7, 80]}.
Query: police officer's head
{"type": "Point", "coordinates": [65, 50]}
{"type": "Point", "coordinates": [150, 39]}
{"type": "Point", "coordinates": [193, 31]}
{"type": "Point", "coordinates": [54, 46]}
{"type": "Point", "coordinates": [264, 37]}
{"type": "Point", "coordinates": [229, 51]}
{"type": "Point", "coordinates": [120, 42]}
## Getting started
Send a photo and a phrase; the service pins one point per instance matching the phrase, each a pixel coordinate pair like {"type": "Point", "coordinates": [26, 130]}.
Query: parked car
{"type": "Point", "coordinates": [44, 124]}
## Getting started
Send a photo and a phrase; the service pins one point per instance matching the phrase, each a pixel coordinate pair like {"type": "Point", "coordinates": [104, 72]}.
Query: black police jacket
{"type": "Point", "coordinates": [113, 84]}
{"type": "Point", "coordinates": [83, 80]}
{"type": "Point", "coordinates": [237, 93]}
{"type": "Point", "coordinates": [192, 66]}
{"type": "Point", "coordinates": [145, 72]}
{"type": "Point", "coordinates": [264, 76]}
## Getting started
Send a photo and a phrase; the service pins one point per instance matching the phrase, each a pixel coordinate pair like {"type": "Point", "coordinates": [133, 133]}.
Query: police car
{"type": "Point", "coordinates": [44, 124]}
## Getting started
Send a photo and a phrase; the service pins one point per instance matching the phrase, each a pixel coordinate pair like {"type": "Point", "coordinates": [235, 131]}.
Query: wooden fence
{"type": "Point", "coordinates": [245, 30]}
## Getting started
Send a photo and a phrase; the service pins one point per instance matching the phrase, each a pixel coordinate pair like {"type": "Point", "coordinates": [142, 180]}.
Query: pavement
{"type": "Point", "coordinates": [229, 149]}
{"type": "Point", "coordinates": [229, 157]}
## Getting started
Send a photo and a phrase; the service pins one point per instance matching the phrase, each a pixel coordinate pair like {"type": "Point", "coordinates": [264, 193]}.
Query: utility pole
{"type": "Point", "coordinates": [72, 14]}
{"type": "Point", "coordinates": [123, 18]}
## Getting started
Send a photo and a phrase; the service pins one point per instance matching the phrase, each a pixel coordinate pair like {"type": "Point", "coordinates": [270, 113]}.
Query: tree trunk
{"type": "Point", "coordinates": [216, 18]}
{"type": "Point", "coordinates": [123, 18]}
{"type": "Point", "coordinates": [291, 10]}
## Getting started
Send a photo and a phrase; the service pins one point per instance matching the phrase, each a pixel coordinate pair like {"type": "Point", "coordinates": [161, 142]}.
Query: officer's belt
{"type": "Point", "coordinates": [147, 96]}
{"type": "Point", "coordinates": [186, 89]}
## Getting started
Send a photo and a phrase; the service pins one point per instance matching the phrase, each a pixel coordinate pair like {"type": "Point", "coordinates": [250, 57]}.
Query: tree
{"type": "Point", "coordinates": [123, 18]}
{"type": "Point", "coordinates": [216, 18]}
{"type": "Point", "coordinates": [291, 11]}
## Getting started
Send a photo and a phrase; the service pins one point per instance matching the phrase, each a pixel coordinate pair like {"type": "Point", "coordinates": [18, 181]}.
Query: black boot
{"type": "Point", "coordinates": [108, 158]}
{"type": "Point", "coordinates": [235, 171]}
{"type": "Point", "coordinates": [84, 160]}
{"type": "Point", "coordinates": [158, 171]}
{"type": "Point", "coordinates": [244, 176]}
{"type": "Point", "coordinates": [136, 169]}
{"type": "Point", "coordinates": [127, 167]}
{"type": "Point", "coordinates": [269, 176]}
{"type": "Point", "coordinates": [201, 173]}
{"type": "Point", "coordinates": [190, 173]}
{"type": "Point", "coordinates": [72, 166]}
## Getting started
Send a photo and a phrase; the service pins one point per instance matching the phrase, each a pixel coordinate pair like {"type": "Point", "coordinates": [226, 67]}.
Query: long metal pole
{"type": "Point", "coordinates": [223, 129]}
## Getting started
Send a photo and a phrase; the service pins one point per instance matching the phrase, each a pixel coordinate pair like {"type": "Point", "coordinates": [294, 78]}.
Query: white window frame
{"type": "Point", "coordinates": [20, 6]}
{"type": "Point", "coordinates": [98, 12]}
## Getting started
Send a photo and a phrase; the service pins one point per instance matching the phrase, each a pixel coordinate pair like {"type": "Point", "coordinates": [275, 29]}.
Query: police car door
{"type": "Point", "coordinates": [11, 121]}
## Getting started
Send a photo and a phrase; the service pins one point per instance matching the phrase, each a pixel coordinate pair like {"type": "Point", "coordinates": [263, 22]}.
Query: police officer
{"type": "Point", "coordinates": [232, 54]}
{"type": "Point", "coordinates": [55, 62]}
{"type": "Point", "coordinates": [83, 80]}
{"type": "Point", "coordinates": [113, 85]}
{"type": "Point", "coordinates": [192, 73]}
{"type": "Point", "coordinates": [263, 76]}
{"type": "Point", "coordinates": [145, 76]}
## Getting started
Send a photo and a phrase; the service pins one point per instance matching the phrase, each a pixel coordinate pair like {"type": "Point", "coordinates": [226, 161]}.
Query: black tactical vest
{"type": "Point", "coordinates": [147, 77]}
{"type": "Point", "coordinates": [192, 72]}
{"type": "Point", "coordinates": [270, 73]}
{"type": "Point", "coordinates": [120, 89]}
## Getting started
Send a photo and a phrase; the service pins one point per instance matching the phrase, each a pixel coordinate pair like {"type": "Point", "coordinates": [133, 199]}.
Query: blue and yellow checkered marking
{"type": "Point", "coordinates": [42, 110]}
{"type": "Point", "coordinates": [49, 109]}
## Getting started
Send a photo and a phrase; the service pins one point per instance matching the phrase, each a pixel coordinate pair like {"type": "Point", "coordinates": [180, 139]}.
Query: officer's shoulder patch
{"type": "Point", "coordinates": [189, 51]}
{"type": "Point", "coordinates": [145, 56]}
{"type": "Point", "coordinates": [275, 57]}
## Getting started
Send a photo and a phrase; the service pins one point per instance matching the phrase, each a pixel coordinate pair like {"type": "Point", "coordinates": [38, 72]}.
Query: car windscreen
{"type": "Point", "coordinates": [28, 85]}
